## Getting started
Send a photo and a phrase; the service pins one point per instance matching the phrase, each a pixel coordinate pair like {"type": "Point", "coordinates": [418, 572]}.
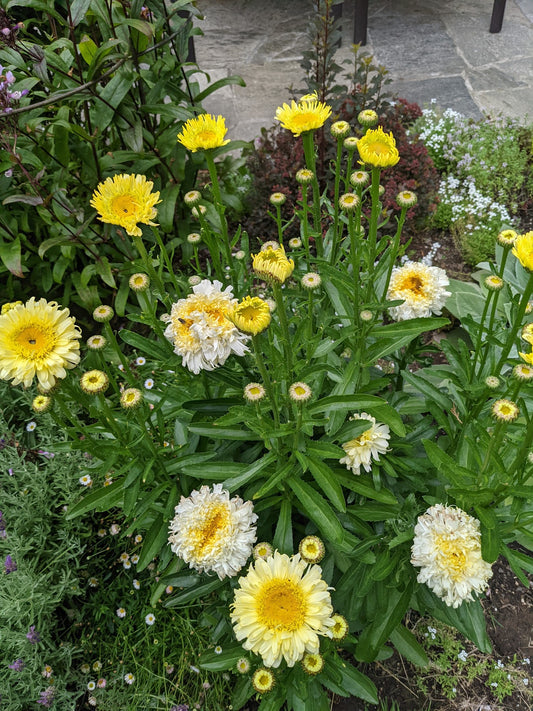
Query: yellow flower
{"type": "Point", "coordinates": [378, 148]}
{"type": "Point", "coordinates": [139, 282]}
{"type": "Point", "coordinates": [11, 305]}
{"type": "Point", "coordinates": [313, 664]}
{"type": "Point", "coordinates": [94, 381]}
{"type": "Point", "coordinates": [38, 339]}
{"type": "Point", "coordinates": [523, 250]}
{"type": "Point", "coordinates": [527, 357]}
{"type": "Point", "coordinates": [281, 608]}
{"type": "Point", "coordinates": [203, 132]}
{"type": "Point", "coordinates": [505, 410]}
{"type": "Point", "coordinates": [41, 403]}
{"type": "Point", "coordinates": [300, 392]}
{"type": "Point", "coordinates": [125, 200]}
{"type": "Point", "coordinates": [272, 264]}
{"type": "Point", "coordinates": [131, 398]}
{"type": "Point", "coordinates": [252, 315]}
{"type": "Point", "coordinates": [306, 115]}
{"type": "Point", "coordinates": [263, 680]}
{"type": "Point", "coordinates": [340, 627]}
{"type": "Point", "coordinates": [254, 392]}
{"type": "Point", "coordinates": [507, 238]}
{"type": "Point", "coordinates": [312, 549]}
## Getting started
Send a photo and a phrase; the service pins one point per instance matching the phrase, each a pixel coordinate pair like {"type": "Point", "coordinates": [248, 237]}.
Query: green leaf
{"type": "Point", "coordinates": [318, 510]}
{"type": "Point", "coordinates": [227, 659]}
{"type": "Point", "coordinates": [140, 25]}
{"type": "Point", "coordinates": [468, 618]}
{"type": "Point", "coordinates": [283, 541]}
{"type": "Point", "coordinates": [365, 487]}
{"type": "Point", "coordinates": [208, 430]}
{"type": "Point", "coordinates": [490, 542]}
{"type": "Point", "coordinates": [26, 199]}
{"type": "Point", "coordinates": [374, 635]}
{"type": "Point", "coordinates": [87, 48]}
{"type": "Point", "coordinates": [103, 269]}
{"type": "Point", "coordinates": [100, 500]}
{"type": "Point", "coordinates": [242, 691]}
{"type": "Point", "coordinates": [154, 540]}
{"type": "Point", "coordinates": [167, 209]}
{"type": "Point", "coordinates": [249, 472]}
{"type": "Point", "coordinates": [327, 481]}
{"type": "Point", "coordinates": [189, 595]}
{"type": "Point", "coordinates": [233, 79]}
{"type": "Point", "coordinates": [408, 646]}
{"type": "Point", "coordinates": [78, 10]}
{"type": "Point", "coordinates": [154, 349]}
{"type": "Point", "coordinates": [444, 464]}
{"type": "Point", "coordinates": [10, 254]}
{"type": "Point", "coordinates": [112, 95]}
{"type": "Point", "coordinates": [431, 392]}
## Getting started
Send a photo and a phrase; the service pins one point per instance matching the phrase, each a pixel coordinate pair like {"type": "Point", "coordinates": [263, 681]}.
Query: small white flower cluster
{"type": "Point", "coordinates": [469, 204]}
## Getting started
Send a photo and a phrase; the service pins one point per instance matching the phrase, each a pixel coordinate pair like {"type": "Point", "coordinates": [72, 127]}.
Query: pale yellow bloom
{"type": "Point", "coordinates": [38, 339]}
{"type": "Point", "coordinates": [447, 549]}
{"type": "Point", "coordinates": [281, 608]}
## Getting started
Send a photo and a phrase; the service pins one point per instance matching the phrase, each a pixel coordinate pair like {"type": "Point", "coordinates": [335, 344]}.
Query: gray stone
{"type": "Point", "coordinates": [449, 92]}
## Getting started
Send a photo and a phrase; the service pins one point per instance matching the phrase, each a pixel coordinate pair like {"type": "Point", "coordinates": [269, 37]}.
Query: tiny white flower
{"type": "Point", "coordinates": [121, 612]}
{"type": "Point", "coordinates": [91, 686]}
{"type": "Point", "coordinates": [129, 678]}
{"type": "Point", "coordinates": [136, 584]}
{"type": "Point", "coordinates": [148, 383]}
{"type": "Point", "coordinates": [149, 619]}
{"type": "Point", "coordinates": [85, 480]}
{"type": "Point", "coordinates": [31, 426]}
{"type": "Point", "coordinates": [140, 360]}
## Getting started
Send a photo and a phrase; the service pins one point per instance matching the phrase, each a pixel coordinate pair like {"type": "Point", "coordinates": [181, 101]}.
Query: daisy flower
{"type": "Point", "coordinates": [367, 447]}
{"type": "Point", "coordinates": [125, 200]}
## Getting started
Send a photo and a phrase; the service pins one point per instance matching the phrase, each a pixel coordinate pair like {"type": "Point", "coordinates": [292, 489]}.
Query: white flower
{"type": "Point", "coordinates": [199, 330]}
{"type": "Point", "coordinates": [114, 529]}
{"type": "Point", "coordinates": [149, 619]}
{"type": "Point", "coordinates": [31, 426]}
{"type": "Point", "coordinates": [212, 532]}
{"type": "Point", "coordinates": [134, 559]}
{"type": "Point", "coordinates": [447, 549]}
{"type": "Point", "coordinates": [91, 685]}
{"type": "Point", "coordinates": [421, 287]}
{"type": "Point", "coordinates": [368, 446]}
{"type": "Point", "coordinates": [121, 612]}
{"type": "Point", "coordinates": [136, 584]}
{"type": "Point", "coordinates": [85, 480]}
{"type": "Point", "coordinates": [129, 678]}
{"type": "Point", "coordinates": [140, 360]}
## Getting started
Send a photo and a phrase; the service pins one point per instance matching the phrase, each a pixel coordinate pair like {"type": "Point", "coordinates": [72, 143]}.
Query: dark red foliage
{"type": "Point", "coordinates": [278, 156]}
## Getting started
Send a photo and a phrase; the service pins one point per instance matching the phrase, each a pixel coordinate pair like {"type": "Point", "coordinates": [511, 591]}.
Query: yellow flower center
{"type": "Point", "coordinates": [216, 518]}
{"type": "Point", "coordinates": [124, 204]}
{"type": "Point", "coordinates": [34, 342]}
{"type": "Point", "coordinates": [280, 605]}
{"type": "Point", "coordinates": [299, 390]}
{"type": "Point", "coordinates": [302, 120]}
{"type": "Point", "coordinates": [452, 557]}
{"type": "Point", "coordinates": [311, 549]}
{"type": "Point", "coordinates": [414, 284]}
{"type": "Point", "coordinates": [206, 136]}
{"type": "Point", "coordinates": [257, 391]}
{"type": "Point", "coordinates": [381, 149]}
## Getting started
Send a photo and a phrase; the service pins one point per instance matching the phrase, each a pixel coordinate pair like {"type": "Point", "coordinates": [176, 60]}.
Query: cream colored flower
{"type": "Point", "coordinates": [368, 446]}
{"type": "Point", "coordinates": [199, 329]}
{"type": "Point", "coordinates": [281, 608]}
{"type": "Point", "coordinates": [447, 549]}
{"type": "Point", "coordinates": [422, 289]}
{"type": "Point", "coordinates": [37, 339]}
{"type": "Point", "coordinates": [212, 532]}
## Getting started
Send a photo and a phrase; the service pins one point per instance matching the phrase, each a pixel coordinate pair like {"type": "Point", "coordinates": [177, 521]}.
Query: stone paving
{"type": "Point", "coordinates": [433, 50]}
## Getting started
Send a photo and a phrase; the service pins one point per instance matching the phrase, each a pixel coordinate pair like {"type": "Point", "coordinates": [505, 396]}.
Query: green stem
{"type": "Point", "coordinates": [266, 379]}
{"type": "Point", "coordinates": [305, 225]}
{"type": "Point", "coordinates": [110, 335]}
{"type": "Point", "coordinates": [148, 264]}
{"type": "Point", "coordinates": [480, 335]}
{"type": "Point", "coordinates": [279, 224]}
{"type": "Point", "coordinates": [516, 325]}
{"type": "Point", "coordinates": [309, 152]}
{"type": "Point", "coordinates": [336, 235]}
{"type": "Point", "coordinates": [220, 208]}
{"type": "Point", "coordinates": [166, 259]}
{"type": "Point", "coordinates": [373, 230]}
{"type": "Point", "coordinates": [280, 310]}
